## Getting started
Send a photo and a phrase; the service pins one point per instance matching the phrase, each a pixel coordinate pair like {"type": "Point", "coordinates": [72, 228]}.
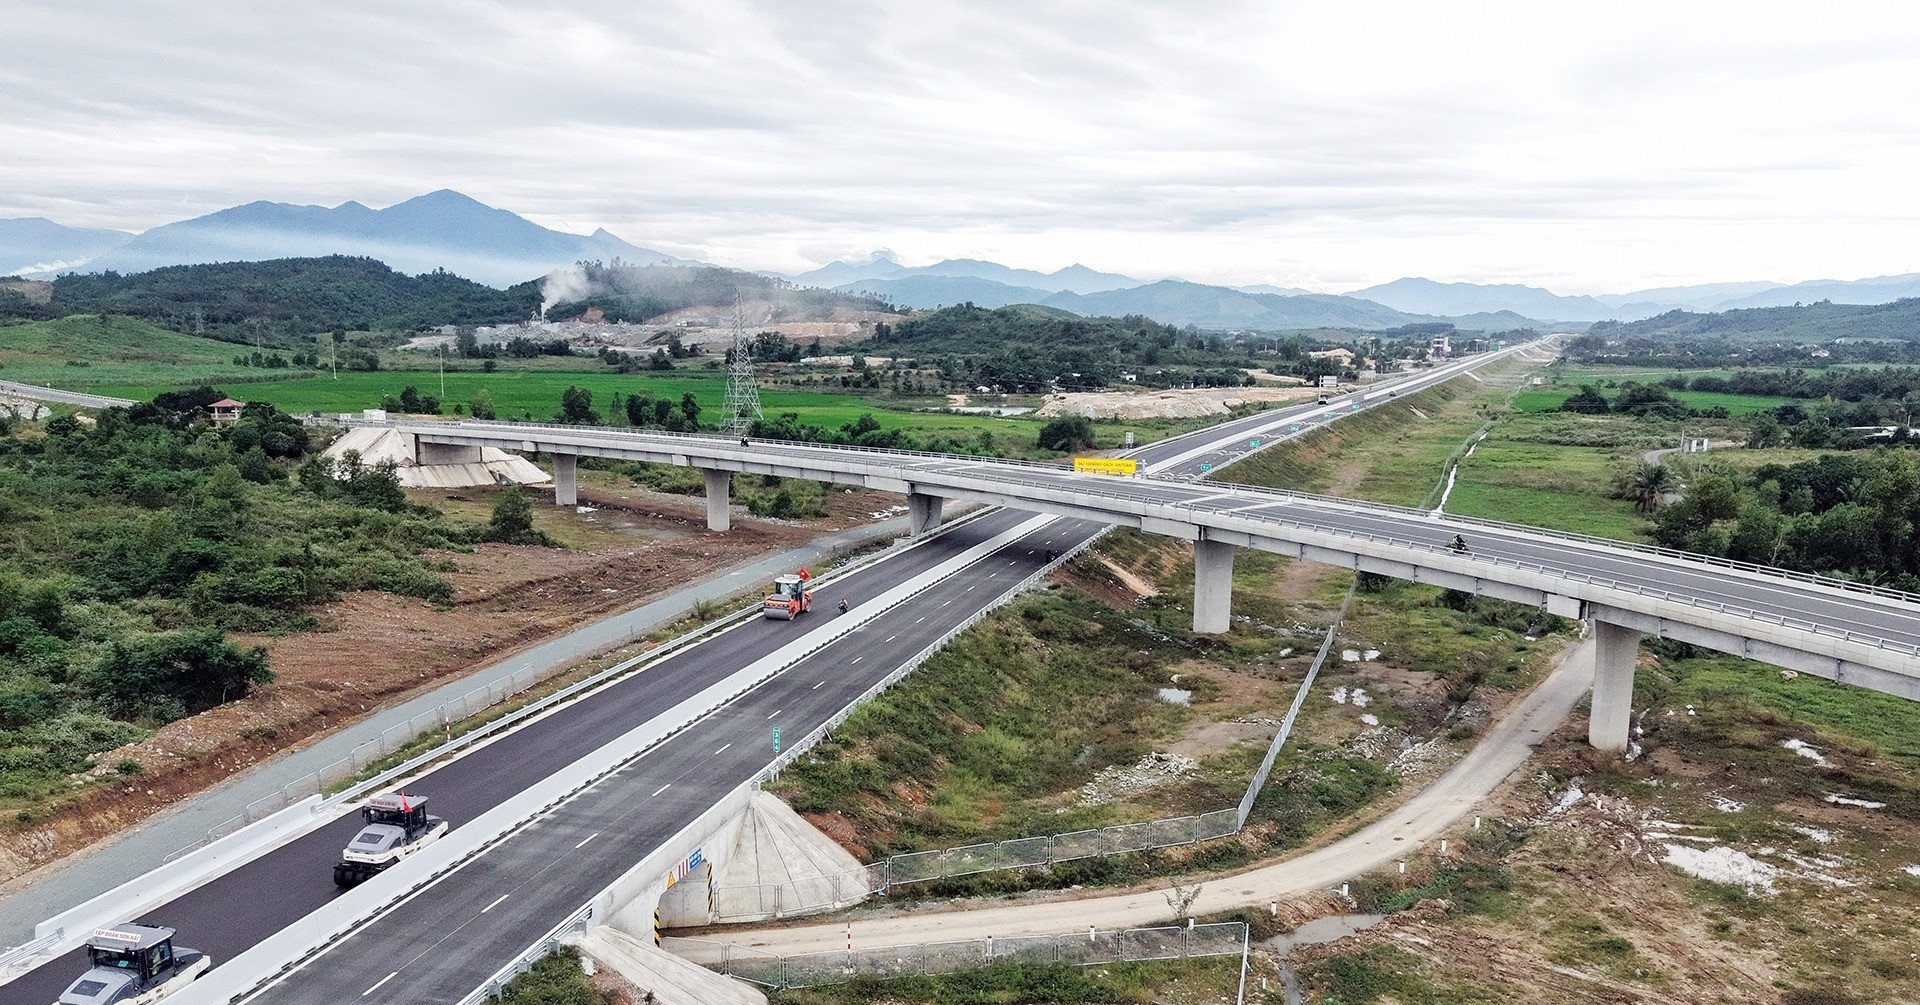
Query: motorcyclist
{"type": "Point", "coordinates": [1459, 543]}
{"type": "Point", "coordinates": [843, 605]}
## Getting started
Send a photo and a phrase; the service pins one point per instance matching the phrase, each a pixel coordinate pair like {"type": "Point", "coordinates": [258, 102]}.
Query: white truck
{"type": "Point", "coordinates": [134, 965]}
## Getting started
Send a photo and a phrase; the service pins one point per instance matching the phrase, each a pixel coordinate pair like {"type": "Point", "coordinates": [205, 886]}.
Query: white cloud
{"type": "Point", "coordinates": [1586, 148]}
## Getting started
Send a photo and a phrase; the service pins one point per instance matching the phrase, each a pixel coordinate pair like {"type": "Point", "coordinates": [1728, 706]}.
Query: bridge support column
{"type": "Point", "coordinates": [923, 513]}
{"type": "Point", "coordinates": [565, 490]}
{"type": "Point", "coordinates": [1615, 649]}
{"type": "Point", "coordinates": [1212, 587]}
{"type": "Point", "coordinates": [719, 489]}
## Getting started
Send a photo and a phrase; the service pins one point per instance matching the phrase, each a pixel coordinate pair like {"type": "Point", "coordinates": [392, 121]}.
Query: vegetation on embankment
{"type": "Point", "coordinates": [129, 548]}
{"type": "Point", "coordinates": [556, 979]}
{"type": "Point", "coordinates": [1172, 981]}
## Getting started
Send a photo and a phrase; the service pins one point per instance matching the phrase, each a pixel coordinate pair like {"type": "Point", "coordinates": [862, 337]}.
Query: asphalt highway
{"type": "Point", "coordinates": [234, 912]}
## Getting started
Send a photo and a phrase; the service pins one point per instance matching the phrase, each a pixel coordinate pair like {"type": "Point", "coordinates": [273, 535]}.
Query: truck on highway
{"type": "Point", "coordinates": [134, 965]}
{"type": "Point", "coordinates": [790, 598]}
{"type": "Point", "coordinates": [397, 825]}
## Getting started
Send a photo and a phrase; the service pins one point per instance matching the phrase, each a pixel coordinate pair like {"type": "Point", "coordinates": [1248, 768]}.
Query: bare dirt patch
{"type": "Point", "coordinates": [374, 649]}
{"type": "Point", "coordinates": [1189, 403]}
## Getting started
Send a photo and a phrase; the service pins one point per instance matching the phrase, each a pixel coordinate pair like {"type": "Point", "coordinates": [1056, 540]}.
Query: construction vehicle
{"type": "Point", "coordinates": [790, 598]}
{"type": "Point", "coordinates": [397, 825]}
{"type": "Point", "coordinates": [134, 964]}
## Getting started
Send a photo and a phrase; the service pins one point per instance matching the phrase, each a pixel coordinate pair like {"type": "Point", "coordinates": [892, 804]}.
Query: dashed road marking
{"type": "Point", "coordinates": [669, 785]}
{"type": "Point", "coordinates": [382, 980]}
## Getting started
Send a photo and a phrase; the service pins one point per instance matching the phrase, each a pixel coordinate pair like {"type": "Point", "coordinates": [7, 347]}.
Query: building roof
{"type": "Point", "coordinates": [228, 403]}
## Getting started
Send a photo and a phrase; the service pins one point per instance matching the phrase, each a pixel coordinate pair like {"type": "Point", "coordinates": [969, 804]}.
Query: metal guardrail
{"type": "Point", "coordinates": [397, 736]}
{"type": "Point", "coordinates": [1079, 949]}
{"type": "Point", "coordinates": [547, 943]}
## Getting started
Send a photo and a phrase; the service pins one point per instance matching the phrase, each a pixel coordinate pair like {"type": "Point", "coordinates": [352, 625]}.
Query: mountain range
{"type": "Point", "coordinates": [448, 230]}
{"type": "Point", "coordinates": [439, 230]}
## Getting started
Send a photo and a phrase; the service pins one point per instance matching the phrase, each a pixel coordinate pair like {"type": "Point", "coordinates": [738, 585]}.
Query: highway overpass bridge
{"type": "Point", "coordinates": [1842, 631]}
{"type": "Point", "coordinates": [545, 841]}
{"type": "Point", "coordinates": [605, 847]}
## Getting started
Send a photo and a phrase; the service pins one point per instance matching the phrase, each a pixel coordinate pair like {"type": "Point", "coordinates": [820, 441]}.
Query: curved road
{"type": "Point", "coordinates": [1401, 832]}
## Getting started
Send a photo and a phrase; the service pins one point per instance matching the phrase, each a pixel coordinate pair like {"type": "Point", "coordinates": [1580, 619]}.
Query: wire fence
{"type": "Point", "coordinates": [1079, 949]}
{"type": "Point", "coordinates": [826, 893]}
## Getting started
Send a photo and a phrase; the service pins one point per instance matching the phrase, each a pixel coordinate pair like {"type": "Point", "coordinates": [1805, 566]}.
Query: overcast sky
{"type": "Point", "coordinates": [1581, 147]}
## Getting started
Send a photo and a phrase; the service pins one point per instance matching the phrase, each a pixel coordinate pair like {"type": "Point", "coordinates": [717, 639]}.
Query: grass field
{"type": "Point", "coordinates": [1736, 404]}
{"type": "Point", "coordinates": [84, 350]}
{"type": "Point", "coordinates": [1547, 485]}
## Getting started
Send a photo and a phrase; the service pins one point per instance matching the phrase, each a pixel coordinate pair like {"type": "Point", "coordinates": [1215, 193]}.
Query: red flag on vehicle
{"type": "Point", "coordinates": [405, 807]}
{"type": "Point", "coordinates": [804, 574]}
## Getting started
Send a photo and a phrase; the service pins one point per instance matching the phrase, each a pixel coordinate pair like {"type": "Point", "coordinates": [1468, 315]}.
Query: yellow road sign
{"type": "Point", "coordinates": [1106, 466]}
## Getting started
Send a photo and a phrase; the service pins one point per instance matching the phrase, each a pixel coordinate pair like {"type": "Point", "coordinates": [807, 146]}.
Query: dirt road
{"type": "Point", "coordinates": [1422, 819]}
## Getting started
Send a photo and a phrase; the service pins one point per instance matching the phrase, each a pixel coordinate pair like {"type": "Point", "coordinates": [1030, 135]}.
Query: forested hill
{"type": "Point", "coordinates": [290, 296]}
{"type": "Point", "coordinates": [1025, 347]}
{"type": "Point", "coordinates": [1817, 322]}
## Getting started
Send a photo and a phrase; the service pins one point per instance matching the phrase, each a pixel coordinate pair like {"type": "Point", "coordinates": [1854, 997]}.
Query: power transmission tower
{"type": "Point", "coordinates": [743, 392]}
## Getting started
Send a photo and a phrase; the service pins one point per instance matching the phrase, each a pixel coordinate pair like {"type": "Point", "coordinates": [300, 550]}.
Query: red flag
{"type": "Point", "coordinates": [404, 807]}
{"type": "Point", "coordinates": [804, 574]}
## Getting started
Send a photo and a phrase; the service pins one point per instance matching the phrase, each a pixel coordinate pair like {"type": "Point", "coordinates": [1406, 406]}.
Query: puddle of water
{"type": "Point", "coordinates": [1175, 696]}
{"type": "Point", "coordinates": [1337, 926]}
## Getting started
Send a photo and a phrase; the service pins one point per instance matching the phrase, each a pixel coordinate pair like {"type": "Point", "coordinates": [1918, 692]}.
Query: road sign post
{"type": "Point", "coordinates": [776, 739]}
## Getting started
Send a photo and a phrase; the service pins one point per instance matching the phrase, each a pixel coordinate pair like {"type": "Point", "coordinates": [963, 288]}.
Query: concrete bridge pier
{"type": "Point", "coordinates": [1212, 587]}
{"type": "Point", "coordinates": [1615, 650]}
{"type": "Point", "coordinates": [719, 489]}
{"type": "Point", "coordinates": [566, 490]}
{"type": "Point", "coordinates": [923, 513]}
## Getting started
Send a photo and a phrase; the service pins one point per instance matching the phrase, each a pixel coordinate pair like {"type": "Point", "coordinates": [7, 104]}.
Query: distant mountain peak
{"type": "Point", "coordinates": [442, 229]}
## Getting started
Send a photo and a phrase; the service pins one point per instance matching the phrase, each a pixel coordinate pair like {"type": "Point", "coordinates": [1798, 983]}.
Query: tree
{"type": "Point", "coordinates": [512, 520]}
{"type": "Point", "coordinates": [1648, 486]}
{"type": "Point", "coordinates": [481, 405]}
{"type": "Point", "coordinates": [1587, 401]}
{"type": "Point", "coordinates": [576, 407]}
{"type": "Point", "coordinates": [1067, 433]}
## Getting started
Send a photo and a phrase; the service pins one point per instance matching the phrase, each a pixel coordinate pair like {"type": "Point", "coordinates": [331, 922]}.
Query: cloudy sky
{"type": "Point", "coordinates": [1582, 147]}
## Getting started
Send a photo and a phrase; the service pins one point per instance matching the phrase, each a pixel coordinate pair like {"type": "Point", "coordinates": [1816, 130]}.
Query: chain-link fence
{"type": "Point", "coordinates": [748, 903]}
{"type": "Point", "coordinates": [1078, 949]}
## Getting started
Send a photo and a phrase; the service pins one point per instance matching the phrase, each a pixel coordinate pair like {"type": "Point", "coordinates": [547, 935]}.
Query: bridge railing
{"type": "Point", "coordinates": [1410, 513]}
{"type": "Point", "coordinates": [1797, 624]}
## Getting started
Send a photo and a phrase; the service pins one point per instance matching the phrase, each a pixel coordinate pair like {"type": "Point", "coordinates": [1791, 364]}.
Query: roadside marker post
{"type": "Point", "coordinates": [776, 739]}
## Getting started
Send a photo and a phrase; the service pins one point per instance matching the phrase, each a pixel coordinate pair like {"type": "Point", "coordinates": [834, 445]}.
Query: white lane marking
{"type": "Point", "coordinates": [969, 590]}
{"type": "Point", "coordinates": [667, 786]}
{"type": "Point", "coordinates": [816, 687]}
{"type": "Point", "coordinates": [990, 575]}
{"type": "Point", "coordinates": [504, 896]}
{"type": "Point", "coordinates": [857, 659]}
{"type": "Point", "coordinates": [722, 750]}
{"type": "Point", "coordinates": [376, 987]}
{"type": "Point", "coordinates": [945, 603]}
{"type": "Point", "coordinates": [776, 711]}
{"type": "Point", "coordinates": [582, 844]}
{"type": "Point", "coordinates": [890, 638]}
{"type": "Point", "coordinates": [919, 619]}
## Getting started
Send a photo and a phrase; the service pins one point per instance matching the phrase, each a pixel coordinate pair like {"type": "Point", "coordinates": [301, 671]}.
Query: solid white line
{"type": "Point", "coordinates": [376, 987]}
{"type": "Point", "coordinates": [723, 749]}
{"type": "Point", "coordinates": [582, 844]}
{"type": "Point", "coordinates": [661, 789]}
{"type": "Point", "coordinates": [504, 896]}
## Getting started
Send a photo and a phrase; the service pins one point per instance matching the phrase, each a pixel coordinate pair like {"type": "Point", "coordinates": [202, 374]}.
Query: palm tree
{"type": "Point", "coordinates": [1649, 485]}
